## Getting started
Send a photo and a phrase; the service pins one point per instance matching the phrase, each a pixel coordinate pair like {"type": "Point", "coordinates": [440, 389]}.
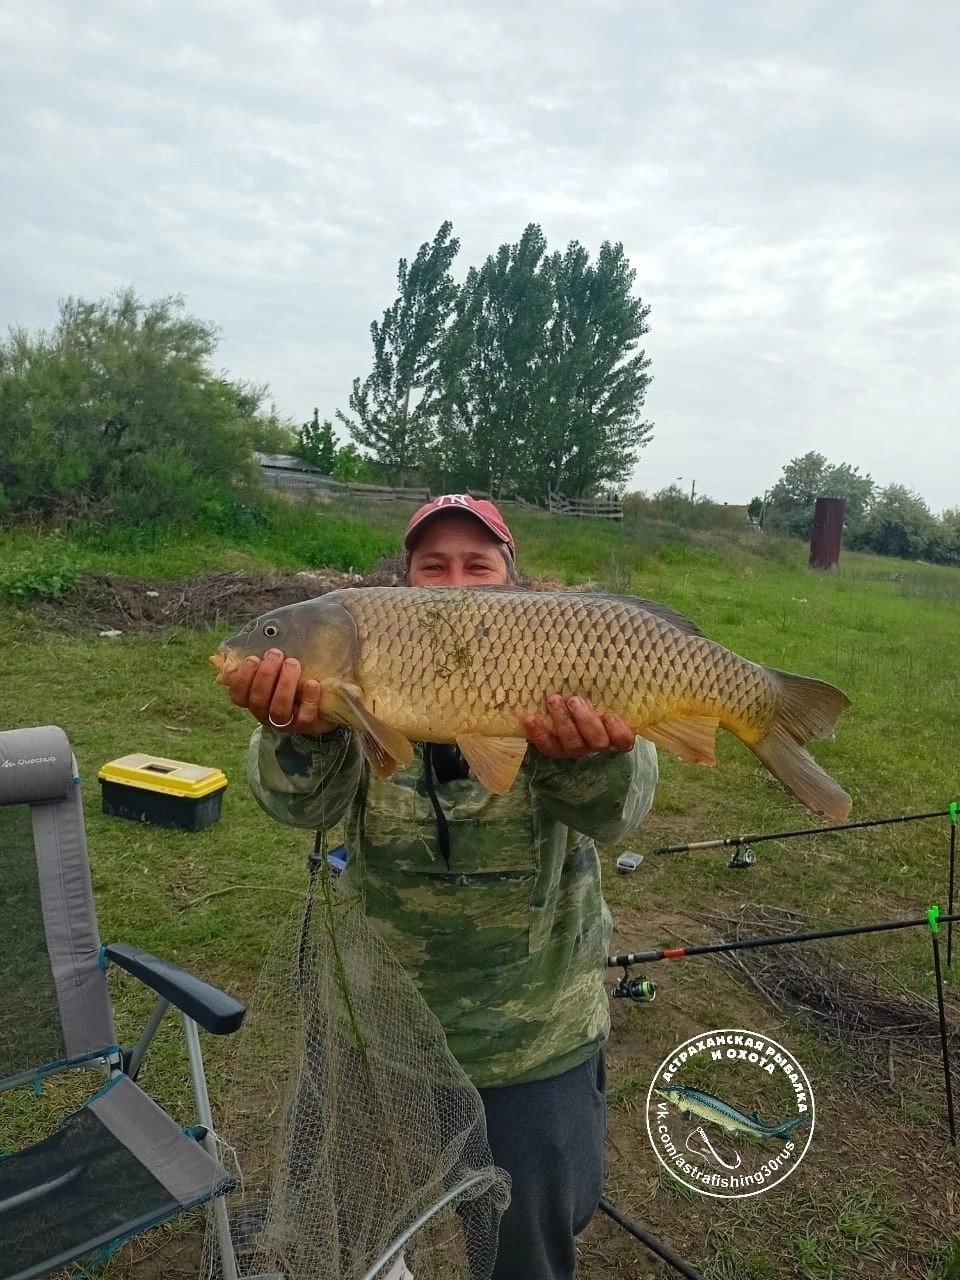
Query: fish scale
{"type": "Point", "coordinates": [408, 664]}
{"type": "Point", "coordinates": [421, 655]}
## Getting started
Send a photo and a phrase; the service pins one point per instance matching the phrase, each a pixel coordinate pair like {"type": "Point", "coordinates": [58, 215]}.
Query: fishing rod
{"type": "Point", "coordinates": [776, 940]}
{"type": "Point", "coordinates": [933, 919]}
{"type": "Point", "coordinates": [944, 1038]}
{"type": "Point", "coordinates": [729, 842]}
{"type": "Point", "coordinates": [951, 878]}
{"type": "Point", "coordinates": [653, 1244]}
{"type": "Point", "coordinates": [746, 858]}
{"type": "Point", "coordinates": [644, 990]}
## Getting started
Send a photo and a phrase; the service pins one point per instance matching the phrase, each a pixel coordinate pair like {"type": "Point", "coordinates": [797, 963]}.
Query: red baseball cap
{"type": "Point", "coordinates": [484, 511]}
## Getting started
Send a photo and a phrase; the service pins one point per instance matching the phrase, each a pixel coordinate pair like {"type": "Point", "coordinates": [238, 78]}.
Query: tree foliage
{"type": "Point", "coordinates": [316, 443]}
{"type": "Point", "coordinates": [492, 369]}
{"type": "Point", "coordinates": [530, 371]}
{"type": "Point", "coordinates": [675, 506]}
{"type": "Point", "coordinates": [793, 498]}
{"type": "Point", "coordinates": [117, 411]}
{"type": "Point", "coordinates": [894, 521]}
{"type": "Point", "coordinates": [393, 405]}
{"type": "Point", "coordinates": [592, 427]}
{"type": "Point", "coordinates": [352, 467]}
{"type": "Point", "coordinates": [899, 523]}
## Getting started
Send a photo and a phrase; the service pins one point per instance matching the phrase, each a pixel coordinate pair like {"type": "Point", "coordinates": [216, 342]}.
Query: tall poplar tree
{"type": "Point", "coordinates": [393, 406]}
{"type": "Point", "coordinates": [492, 366]}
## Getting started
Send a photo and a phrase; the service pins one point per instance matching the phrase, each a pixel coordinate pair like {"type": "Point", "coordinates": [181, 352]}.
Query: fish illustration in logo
{"type": "Point", "coordinates": [708, 1107]}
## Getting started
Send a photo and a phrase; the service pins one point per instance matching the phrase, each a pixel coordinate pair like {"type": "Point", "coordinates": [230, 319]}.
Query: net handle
{"type": "Point", "coordinates": [391, 1254]}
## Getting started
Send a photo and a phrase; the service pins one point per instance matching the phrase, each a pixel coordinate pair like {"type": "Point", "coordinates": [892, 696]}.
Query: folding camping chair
{"type": "Point", "coordinates": [119, 1164]}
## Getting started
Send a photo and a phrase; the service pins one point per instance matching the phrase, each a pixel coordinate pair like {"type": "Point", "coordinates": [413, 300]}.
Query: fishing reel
{"type": "Point", "coordinates": [640, 990]}
{"type": "Point", "coordinates": [743, 856]}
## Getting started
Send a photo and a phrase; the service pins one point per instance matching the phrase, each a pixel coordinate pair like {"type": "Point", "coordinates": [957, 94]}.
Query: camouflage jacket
{"type": "Point", "coordinates": [507, 944]}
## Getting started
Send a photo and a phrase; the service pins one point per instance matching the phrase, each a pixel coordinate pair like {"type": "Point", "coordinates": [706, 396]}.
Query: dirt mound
{"type": "Point", "coordinates": [109, 602]}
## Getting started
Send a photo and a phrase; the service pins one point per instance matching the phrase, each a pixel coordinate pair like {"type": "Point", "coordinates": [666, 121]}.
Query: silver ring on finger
{"type": "Point", "coordinates": [286, 724]}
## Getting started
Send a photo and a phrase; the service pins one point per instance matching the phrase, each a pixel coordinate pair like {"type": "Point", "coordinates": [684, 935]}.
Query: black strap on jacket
{"type": "Point", "coordinates": [441, 763]}
{"type": "Point", "coordinates": [429, 779]}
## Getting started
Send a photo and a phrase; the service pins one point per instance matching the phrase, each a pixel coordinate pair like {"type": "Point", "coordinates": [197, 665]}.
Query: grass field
{"type": "Point", "coordinates": [879, 1192]}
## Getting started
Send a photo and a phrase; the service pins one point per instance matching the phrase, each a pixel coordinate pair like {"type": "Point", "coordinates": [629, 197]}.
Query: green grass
{"type": "Point", "coordinates": [274, 535]}
{"type": "Point", "coordinates": [886, 632]}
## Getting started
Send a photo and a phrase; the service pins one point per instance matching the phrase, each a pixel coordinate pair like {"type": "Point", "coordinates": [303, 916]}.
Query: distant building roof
{"type": "Point", "coordinates": [285, 462]}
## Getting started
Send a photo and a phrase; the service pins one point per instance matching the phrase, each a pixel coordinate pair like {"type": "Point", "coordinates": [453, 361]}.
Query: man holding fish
{"type": "Point", "coordinates": [491, 901]}
{"type": "Point", "coordinates": [475, 740]}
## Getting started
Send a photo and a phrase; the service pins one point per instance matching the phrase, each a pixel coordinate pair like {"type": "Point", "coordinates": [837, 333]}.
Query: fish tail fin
{"type": "Point", "coordinates": [786, 1127]}
{"type": "Point", "coordinates": [809, 709]}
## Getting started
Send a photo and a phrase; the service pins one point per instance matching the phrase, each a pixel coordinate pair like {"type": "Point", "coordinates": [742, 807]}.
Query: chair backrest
{"type": "Point", "coordinates": [54, 1005]}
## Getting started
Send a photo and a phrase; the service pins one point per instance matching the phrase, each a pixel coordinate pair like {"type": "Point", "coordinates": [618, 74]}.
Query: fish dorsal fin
{"type": "Point", "coordinates": [495, 761]}
{"type": "Point", "coordinates": [678, 620]}
{"type": "Point", "coordinates": [675, 619]}
{"type": "Point", "coordinates": [384, 747]}
{"type": "Point", "coordinates": [690, 738]}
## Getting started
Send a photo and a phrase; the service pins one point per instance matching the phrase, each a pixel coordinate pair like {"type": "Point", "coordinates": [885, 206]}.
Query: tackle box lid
{"type": "Point", "coordinates": [157, 773]}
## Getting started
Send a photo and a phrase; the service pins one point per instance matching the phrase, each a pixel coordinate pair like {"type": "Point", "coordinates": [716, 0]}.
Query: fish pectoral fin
{"type": "Point", "coordinates": [383, 764]}
{"type": "Point", "coordinates": [495, 761]}
{"type": "Point", "coordinates": [690, 738]}
{"type": "Point", "coordinates": [384, 747]}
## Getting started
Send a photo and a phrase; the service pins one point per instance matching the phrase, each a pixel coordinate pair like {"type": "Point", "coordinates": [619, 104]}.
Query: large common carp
{"type": "Point", "coordinates": [445, 664]}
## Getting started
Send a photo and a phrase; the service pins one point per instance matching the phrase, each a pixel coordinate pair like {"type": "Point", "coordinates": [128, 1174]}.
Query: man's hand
{"type": "Point", "coordinates": [577, 730]}
{"type": "Point", "coordinates": [267, 687]}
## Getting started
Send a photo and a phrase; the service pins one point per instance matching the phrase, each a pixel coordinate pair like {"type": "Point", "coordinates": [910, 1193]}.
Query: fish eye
{"type": "Point", "coordinates": [270, 629]}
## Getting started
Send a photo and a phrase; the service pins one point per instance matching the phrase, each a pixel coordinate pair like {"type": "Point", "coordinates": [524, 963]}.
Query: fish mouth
{"type": "Point", "coordinates": [227, 663]}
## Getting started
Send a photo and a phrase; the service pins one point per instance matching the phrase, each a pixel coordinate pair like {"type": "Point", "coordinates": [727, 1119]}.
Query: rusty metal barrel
{"type": "Point", "coordinates": [827, 533]}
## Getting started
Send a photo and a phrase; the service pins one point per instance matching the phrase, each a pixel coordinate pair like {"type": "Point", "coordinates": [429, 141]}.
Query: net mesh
{"type": "Point", "coordinates": [361, 1143]}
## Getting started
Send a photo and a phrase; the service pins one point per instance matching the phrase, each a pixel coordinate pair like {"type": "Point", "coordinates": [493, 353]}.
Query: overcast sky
{"type": "Point", "coordinates": [783, 174]}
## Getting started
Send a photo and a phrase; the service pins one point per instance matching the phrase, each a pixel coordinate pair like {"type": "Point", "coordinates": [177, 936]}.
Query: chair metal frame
{"type": "Point", "coordinates": [38, 769]}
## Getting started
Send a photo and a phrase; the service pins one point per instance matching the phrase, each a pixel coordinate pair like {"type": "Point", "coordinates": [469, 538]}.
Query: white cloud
{"type": "Point", "coordinates": [783, 175]}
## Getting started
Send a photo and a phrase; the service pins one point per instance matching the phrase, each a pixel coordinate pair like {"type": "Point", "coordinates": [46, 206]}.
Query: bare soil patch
{"type": "Point", "coordinates": [105, 602]}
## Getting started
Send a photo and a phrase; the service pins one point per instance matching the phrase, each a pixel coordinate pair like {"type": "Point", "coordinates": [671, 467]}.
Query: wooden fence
{"type": "Point", "coordinates": [385, 492]}
{"type": "Point", "coordinates": [281, 471]}
{"type": "Point", "coordinates": [591, 508]}
{"type": "Point", "coordinates": [308, 479]}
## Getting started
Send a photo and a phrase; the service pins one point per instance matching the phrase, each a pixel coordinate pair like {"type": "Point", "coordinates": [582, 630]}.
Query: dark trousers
{"type": "Point", "coordinates": [549, 1137]}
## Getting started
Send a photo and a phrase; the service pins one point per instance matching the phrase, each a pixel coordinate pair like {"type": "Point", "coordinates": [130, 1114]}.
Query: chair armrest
{"type": "Point", "coordinates": [212, 1008]}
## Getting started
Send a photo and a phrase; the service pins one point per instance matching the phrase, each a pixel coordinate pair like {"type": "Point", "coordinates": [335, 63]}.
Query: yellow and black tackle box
{"type": "Point", "coordinates": [162, 792]}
